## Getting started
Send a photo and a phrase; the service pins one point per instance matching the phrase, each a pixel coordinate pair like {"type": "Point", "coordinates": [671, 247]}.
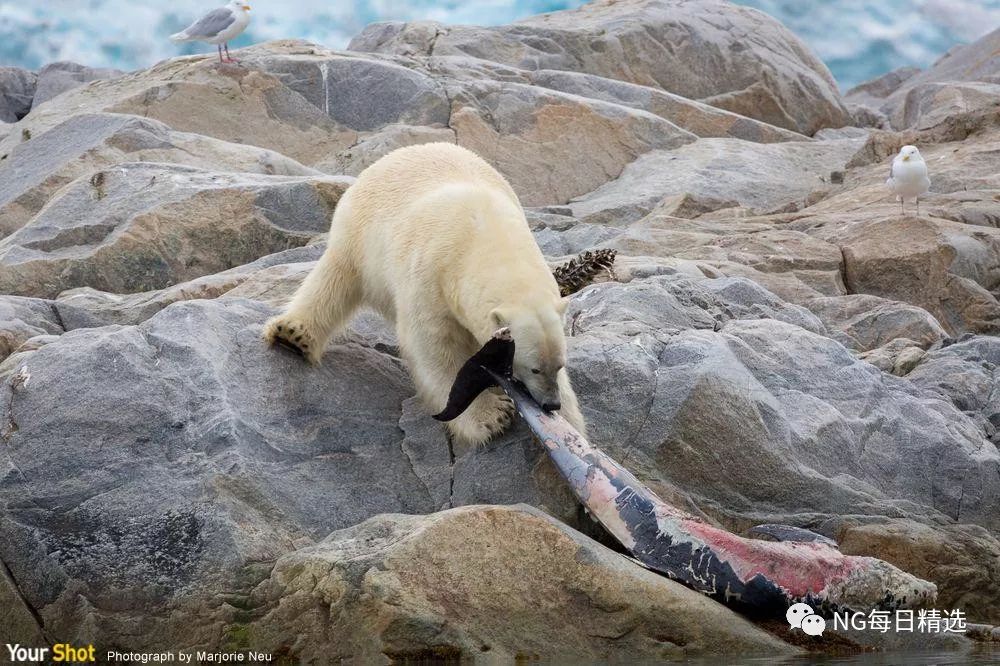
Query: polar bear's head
{"type": "Point", "coordinates": [539, 347]}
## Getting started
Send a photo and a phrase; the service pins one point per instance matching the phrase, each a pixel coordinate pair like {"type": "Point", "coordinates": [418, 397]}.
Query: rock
{"type": "Point", "coordinates": [543, 129]}
{"type": "Point", "coordinates": [874, 92]}
{"type": "Point", "coordinates": [805, 424]}
{"type": "Point", "coordinates": [271, 279]}
{"type": "Point", "coordinates": [695, 52]}
{"type": "Point", "coordinates": [699, 118]}
{"type": "Point", "coordinates": [227, 462]}
{"type": "Point", "coordinates": [412, 588]}
{"type": "Point", "coordinates": [144, 226]}
{"type": "Point", "coordinates": [355, 159]}
{"type": "Point", "coordinates": [774, 343]}
{"type": "Point", "coordinates": [24, 318]}
{"type": "Point", "coordinates": [964, 560]}
{"type": "Point", "coordinates": [36, 169]}
{"type": "Point", "coordinates": [357, 92]}
{"type": "Point", "coordinates": [17, 88]}
{"type": "Point", "coordinates": [195, 95]}
{"type": "Point", "coordinates": [898, 356]}
{"type": "Point", "coordinates": [945, 268]}
{"type": "Point", "coordinates": [58, 77]}
{"type": "Point", "coordinates": [863, 322]}
{"type": "Point", "coordinates": [963, 81]}
{"type": "Point", "coordinates": [15, 616]}
{"type": "Point", "coordinates": [931, 104]}
{"type": "Point", "coordinates": [763, 177]}
{"type": "Point", "coordinates": [864, 116]}
{"type": "Point", "coordinates": [966, 374]}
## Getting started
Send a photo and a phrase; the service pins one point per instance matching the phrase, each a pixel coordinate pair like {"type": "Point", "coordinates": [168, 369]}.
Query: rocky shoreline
{"type": "Point", "coordinates": [776, 342]}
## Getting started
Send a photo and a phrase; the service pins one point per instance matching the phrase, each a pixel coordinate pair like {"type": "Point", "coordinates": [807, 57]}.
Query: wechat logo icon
{"type": "Point", "coordinates": [802, 616]}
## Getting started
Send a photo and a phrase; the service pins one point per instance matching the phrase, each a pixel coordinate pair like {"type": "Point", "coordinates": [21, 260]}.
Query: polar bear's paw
{"type": "Point", "coordinates": [292, 333]}
{"type": "Point", "coordinates": [487, 418]}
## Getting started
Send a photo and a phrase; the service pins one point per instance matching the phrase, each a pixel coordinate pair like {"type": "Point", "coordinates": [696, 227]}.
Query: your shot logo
{"type": "Point", "coordinates": [802, 616]}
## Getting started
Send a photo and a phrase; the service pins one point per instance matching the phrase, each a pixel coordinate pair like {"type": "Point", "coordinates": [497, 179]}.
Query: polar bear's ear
{"type": "Point", "coordinates": [499, 318]}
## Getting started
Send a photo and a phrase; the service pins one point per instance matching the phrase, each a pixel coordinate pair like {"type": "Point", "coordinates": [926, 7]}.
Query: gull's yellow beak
{"type": "Point", "coordinates": [906, 158]}
{"type": "Point", "coordinates": [246, 7]}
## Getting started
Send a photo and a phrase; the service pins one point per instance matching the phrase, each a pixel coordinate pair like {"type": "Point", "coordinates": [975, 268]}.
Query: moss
{"type": "Point", "coordinates": [236, 638]}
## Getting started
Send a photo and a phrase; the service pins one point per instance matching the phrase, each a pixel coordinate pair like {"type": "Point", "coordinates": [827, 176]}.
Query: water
{"type": "Point", "coordinates": [861, 39]}
{"type": "Point", "coordinates": [980, 656]}
{"type": "Point", "coordinates": [858, 39]}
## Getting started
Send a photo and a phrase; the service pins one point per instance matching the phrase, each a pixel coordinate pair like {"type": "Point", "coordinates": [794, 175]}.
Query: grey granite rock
{"type": "Point", "coordinates": [58, 77]}
{"type": "Point", "coordinates": [142, 226]}
{"type": "Point", "coordinates": [17, 88]}
{"type": "Point", "coordinates": [693, 50]}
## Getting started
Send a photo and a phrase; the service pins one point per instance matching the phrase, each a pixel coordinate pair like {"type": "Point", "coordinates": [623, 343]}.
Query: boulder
{"type": "Point", "coordinates": [142, 226]}
{"type": "Point", "coordinates": [898, 356]}
{"type": "Point", "coordinates": [412, 588]}
{"type": "Point", "coordinates": [948, 269]}
{"type": "Point", "coordinates": [226, 463]}
{"type": "Point", "coordinates": [964, 560]}
{"type": "Point", "coordinates": [873, 92]}
{"type": "Point", "coordinates": [696, 51]}
{"type": "Point", "coordinates": [966, 374]}
{"type": "Point", "coordinates": [862, 322]}
{"type": "Point", "coordinates": [17, 88]}
{"type": "Point", "coordinates": [271, 279]}
{"type": "Point", "coordinates": [541, 131]}
{"type": "Point", "coordinates": [761, 177]}
{"type": "Point", "coordinates": [541, 128]}
{"type": "Point", "coordinates": [699, 118]}
{"type": "Point", "coordinates": [86, 143]}
{"type": "Point", "coordinates": [58, 77]}
{"type": "Point", "coordinates": [960, 83]}
{"type": "Point", "coordinates": [197, 95]}
{"type": "Point", "coordinates": [763, 420]}
{"type": "Point", "coordinates": [24, 318]}
{"type": "Point", "coordinates": [928, 105]}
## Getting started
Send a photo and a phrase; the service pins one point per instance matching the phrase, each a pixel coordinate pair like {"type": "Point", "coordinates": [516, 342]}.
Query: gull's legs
{"type": "Point", "coordinates": [220, 53]}
{"type": "Point", "coordinates": [229, 58]}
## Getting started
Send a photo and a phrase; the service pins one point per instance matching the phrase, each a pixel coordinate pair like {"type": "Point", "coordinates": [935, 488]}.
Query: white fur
{"type": "Point", "coordinates": [435, 239]}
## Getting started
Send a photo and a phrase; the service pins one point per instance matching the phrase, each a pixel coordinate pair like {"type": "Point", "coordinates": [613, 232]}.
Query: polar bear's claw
{"type": "Point", "coordinates": [293, 335]}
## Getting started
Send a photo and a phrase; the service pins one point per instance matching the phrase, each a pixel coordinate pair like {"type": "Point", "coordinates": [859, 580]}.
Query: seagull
{"type": "Point", "coordinates": [908, 177]}
{"type": "Point", "coordinates": [218, 27]}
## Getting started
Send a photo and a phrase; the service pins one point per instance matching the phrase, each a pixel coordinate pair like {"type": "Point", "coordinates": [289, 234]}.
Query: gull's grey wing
{"type": "Point", "coordinates": [211, 24]}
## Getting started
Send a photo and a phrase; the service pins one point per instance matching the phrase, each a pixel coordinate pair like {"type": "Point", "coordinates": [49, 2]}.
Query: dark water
{"type": "Point", "coordinates": [981, 654]}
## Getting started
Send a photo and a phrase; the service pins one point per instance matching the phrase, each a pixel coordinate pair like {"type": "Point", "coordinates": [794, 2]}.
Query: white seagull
{"type": "Point", "coordinates": [908, 177]}
{"type": "Point", "coordinates": [218, 27]}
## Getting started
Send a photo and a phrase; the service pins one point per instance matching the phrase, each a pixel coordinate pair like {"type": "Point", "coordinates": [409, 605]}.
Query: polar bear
{"type": "Point", "coordinates": [434, 239]}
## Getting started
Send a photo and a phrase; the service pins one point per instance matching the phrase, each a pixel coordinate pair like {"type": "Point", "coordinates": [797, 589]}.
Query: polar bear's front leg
{"type": "Point", "coordinates": [434, 355]}
{"type": "Point", "coordinates": [487, 417]}
{"type": "Point", "coordinates": [322, 304]}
